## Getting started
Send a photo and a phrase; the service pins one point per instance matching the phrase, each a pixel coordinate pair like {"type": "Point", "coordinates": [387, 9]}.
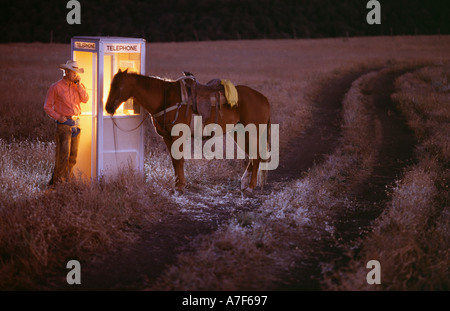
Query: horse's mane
{"type": "Point", "coordinates": [144, 79]}
{"type": "Point", "coordinates": [165, 79]}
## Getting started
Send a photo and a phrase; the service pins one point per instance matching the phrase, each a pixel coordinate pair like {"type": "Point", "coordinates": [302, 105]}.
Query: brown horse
{"type": "Point", "coordinates": [157, 95]}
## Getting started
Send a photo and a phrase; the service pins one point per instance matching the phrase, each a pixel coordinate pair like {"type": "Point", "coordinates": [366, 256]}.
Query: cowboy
{"type": "Point", "coordinates": [63, 105]}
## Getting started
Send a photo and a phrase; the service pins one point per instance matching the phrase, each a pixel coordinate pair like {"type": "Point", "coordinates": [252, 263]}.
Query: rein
{"type": "Point", "coordinates": [133, 129]}
{"type": "Point", "coordinates": [114, 121]}
{"type": "Point", "coordinates": [115, 125]}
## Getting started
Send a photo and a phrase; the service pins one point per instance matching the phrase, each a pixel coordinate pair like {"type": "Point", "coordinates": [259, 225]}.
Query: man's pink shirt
{"type": "Point", "coordinates": [64, 98]}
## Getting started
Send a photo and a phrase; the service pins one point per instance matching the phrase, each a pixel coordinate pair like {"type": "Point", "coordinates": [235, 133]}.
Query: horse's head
{"type": "Point", "coordinates": [119, 91]}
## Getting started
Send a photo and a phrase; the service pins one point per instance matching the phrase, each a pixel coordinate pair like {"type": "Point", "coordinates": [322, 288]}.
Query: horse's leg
{"type": "Point", "coordinates": [245, 179]}
{"type": "Point", "coordinates": [254, 178]}
{"type": "Point", "coordinates": [178, 166]}
{"type": "Point", "coordinates": [247, 176]}
{"type": "Point", "coordinates": [250, 178]}
{"type": "Point", "coordinates": [253, 108]}
{"type": "Point", "coordinates": [180, 181]}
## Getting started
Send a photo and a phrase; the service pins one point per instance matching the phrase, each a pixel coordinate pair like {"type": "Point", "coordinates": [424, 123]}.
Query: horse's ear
{"type": "Point", "coordinates": [126, 71]}
{"type": "Point", "coordinates": [120, 70]}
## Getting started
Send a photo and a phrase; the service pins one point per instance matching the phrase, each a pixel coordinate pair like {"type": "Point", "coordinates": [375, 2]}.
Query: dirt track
{"type": "Point", "coordinates": [394, 153]}
{"type": "Point", "coordinates": [140, 265]}
{"type": "Point", "coordinates": [370, 194]}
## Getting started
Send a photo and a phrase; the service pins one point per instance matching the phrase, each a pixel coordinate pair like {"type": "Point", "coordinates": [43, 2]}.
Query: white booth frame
{"type": "Point", "coordinates": [97, 46]}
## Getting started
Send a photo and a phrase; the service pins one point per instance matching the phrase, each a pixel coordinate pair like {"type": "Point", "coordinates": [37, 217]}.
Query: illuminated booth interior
{"type": "Point", "coordinates": [105, 148]}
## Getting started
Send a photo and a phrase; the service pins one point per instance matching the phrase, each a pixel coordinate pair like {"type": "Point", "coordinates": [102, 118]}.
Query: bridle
{"type": "Point", "coordinates": [116, 104]}
{"type": "Point", "coordinates": [177, 106]}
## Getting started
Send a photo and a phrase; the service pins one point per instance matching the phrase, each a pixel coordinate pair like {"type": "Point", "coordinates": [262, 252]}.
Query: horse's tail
{"type": "Point", "coordinates": [262, 174]}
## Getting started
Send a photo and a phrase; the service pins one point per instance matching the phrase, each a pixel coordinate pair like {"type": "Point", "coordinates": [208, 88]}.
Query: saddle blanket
{"type": "Point", "coordinates": [230, 93]}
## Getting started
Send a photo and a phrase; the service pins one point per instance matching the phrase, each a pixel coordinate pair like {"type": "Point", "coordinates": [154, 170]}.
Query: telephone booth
{"type": "Point", "coordinates": [107, 144]}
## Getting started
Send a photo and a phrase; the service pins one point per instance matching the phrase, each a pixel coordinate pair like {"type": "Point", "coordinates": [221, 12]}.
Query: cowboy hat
{"type": "Point", "coordinates": [71, 65]}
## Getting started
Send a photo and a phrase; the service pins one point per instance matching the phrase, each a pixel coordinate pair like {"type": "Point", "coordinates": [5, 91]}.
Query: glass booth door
{"type": "Point", "coordinates": [121, 139]}
{"type": "Point", "coordinates": [86, 160]}
{"type": "Point", "coordinates": [112, 63]}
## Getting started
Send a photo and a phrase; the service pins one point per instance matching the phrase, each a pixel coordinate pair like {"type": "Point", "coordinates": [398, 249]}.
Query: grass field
{"type": "Point", "coordinates": [41, 230]}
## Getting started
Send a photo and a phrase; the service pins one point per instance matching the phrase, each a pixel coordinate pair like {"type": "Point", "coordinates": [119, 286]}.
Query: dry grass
{"type": "Point", "coordinates": [228, 260]}
{"type": "Point", "coordinates": [17, 180]}
{"type": "Point", "coordinates": [411, 240]}
{"type": "Point", "coordinates": [40, 234]}
{"type": "Point", "coordinates": [40, 230]}
{"type": "Point", "coordinates": [25, 77]}
{"type": "Point", "coordinates": [266, 243]}
{"type": "Point", "coordinates": [288, 71]}
{"type": "Point", "coordinates": [260, 248]}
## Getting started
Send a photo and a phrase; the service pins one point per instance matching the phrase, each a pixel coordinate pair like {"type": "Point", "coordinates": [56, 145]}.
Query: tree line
{"type": "Point", "coordinates": [187, 20]}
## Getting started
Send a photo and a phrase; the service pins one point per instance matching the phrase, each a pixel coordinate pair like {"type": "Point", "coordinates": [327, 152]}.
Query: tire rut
{"type": "Point", "coordinates": [394, 154]}
{"type": "Point", "coordinates": [321, 137]}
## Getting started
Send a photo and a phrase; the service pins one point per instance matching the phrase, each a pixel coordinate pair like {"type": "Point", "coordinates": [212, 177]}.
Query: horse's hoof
{"type": "Point", "coordinates": [247, 192]}
{"type": "Point", "coordinates": [177, 191]}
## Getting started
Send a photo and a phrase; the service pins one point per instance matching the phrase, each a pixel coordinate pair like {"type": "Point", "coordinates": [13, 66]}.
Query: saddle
{"type": "Point", "coordinates": [203, 97]}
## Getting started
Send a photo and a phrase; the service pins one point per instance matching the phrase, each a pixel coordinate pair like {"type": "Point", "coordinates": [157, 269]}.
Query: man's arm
{"type": "Point", "coordinates": [84, 96]}
{"type": "Point", "coordinates": [49, 105]}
